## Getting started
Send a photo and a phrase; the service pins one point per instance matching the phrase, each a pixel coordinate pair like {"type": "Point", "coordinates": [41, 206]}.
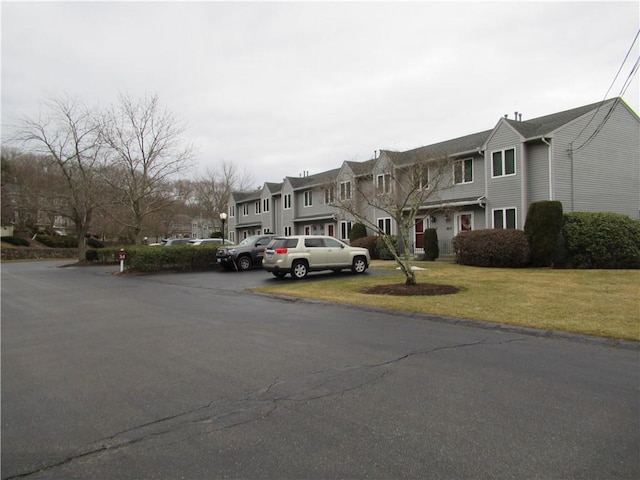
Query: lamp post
{"type": "Point", "coordinates": [223, 218]}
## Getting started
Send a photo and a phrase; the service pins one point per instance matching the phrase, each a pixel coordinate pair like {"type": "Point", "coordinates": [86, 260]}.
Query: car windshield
{"type": "Point", "coordinates": [248, 241]}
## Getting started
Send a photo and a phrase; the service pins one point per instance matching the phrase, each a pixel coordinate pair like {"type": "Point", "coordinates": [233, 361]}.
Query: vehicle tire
{"type": "Point", "coordinates": [359, 265]}
{"type": "Point", "coordinates": [244, 263]}
{"type": "Point", "coordinates": [299, 269]}
{"type": "Point", "coordinates": [279, 274]}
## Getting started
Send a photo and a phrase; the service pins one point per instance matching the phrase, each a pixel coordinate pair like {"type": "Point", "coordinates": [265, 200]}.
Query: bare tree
{"type": "Point", "coordinates": [398, 188]}
{"type": "Point", "coordinates": [146, 153]}
{"type": "Point", "coordinates": [68, 133]}
{"type": "Point", "coordinates": [212, 191]}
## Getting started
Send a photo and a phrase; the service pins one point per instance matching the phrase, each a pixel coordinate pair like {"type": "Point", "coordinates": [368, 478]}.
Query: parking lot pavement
{"type": "Point", "coordinates": [187, 376]}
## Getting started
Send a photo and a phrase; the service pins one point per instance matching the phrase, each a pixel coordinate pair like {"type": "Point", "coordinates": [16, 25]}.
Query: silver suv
{"type": "Point", "coordinates": [299, 255]}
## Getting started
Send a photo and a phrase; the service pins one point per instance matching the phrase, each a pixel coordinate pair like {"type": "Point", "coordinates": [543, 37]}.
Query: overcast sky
{"type": "Point", "coordinates": [282, 88]}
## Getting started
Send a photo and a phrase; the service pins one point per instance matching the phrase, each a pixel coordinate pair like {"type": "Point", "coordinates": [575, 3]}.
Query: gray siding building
{"type": "Point", "coordinates": [588, 158]}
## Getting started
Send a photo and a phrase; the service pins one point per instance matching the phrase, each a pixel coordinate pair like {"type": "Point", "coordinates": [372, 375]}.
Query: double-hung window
{"type": "Point", "coordinates": [345, 230]}
{"type": "Point", "coordinates": [265, 205]}
{"type": "Point", "coordinates": [287, 201]}
{"type": "Point", "coordinates": [384, 226]}
{"type": "Point", "coordinates": [345, 191]}
{"type": "Point", "coordinates": [257, 207]}
{"type": "Point", "coordinates": [245, 209]}
{"type": "Point", "coordinates": [308, 198]}
{"type": "Point", "coordinates": [463, 171]}
{"type": "Point", "coordinates": [329, 194]}
{"type": "Point", "coordinates": [503, 163]}
{"type": "Point", "coordinates": [420, 177]}
{"type": "Point", "coordinates": [383, 183]}
{"type": "Point", "coordinates": [232, 210]}
{"type": "Point", "coordinates": [504, 218]}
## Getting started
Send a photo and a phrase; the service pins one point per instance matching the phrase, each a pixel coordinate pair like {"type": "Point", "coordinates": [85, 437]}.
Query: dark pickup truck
{"type": "Point", "coordinates": [245, 255]}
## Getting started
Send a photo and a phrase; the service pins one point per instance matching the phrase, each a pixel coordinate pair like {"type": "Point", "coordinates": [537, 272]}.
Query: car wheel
{"type": "Point", "coordinates": [244, 263]}
{"type": "Point", "coordinates": [299, 270]}
{"type": "Point", "coordinates": [359, 265]}
{"type": "Point", "coordinates": [279, 274]}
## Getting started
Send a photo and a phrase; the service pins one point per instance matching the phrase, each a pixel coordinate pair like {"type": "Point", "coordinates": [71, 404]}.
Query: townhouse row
{"type": "Point", "coordinates": [588, 158]}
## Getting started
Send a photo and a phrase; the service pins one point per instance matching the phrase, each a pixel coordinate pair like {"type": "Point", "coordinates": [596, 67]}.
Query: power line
{"type": "Point", "coordinates": [624, 88]}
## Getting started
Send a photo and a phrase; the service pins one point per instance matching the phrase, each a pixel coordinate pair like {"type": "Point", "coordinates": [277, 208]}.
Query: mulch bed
{"type": "Point", "coordinates": [406, 290]}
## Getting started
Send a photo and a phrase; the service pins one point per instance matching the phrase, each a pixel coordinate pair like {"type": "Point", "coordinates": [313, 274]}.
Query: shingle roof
{"type": "Point", "coordinates": [456, 146]}
{"type": "Point", "coordinates": [545, 125]}
{"type": "Point", "coordinates": [313, 180]}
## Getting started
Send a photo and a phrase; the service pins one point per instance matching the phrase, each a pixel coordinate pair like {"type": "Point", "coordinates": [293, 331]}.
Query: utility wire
{"type": "Point", "coordinates": [624, 88]}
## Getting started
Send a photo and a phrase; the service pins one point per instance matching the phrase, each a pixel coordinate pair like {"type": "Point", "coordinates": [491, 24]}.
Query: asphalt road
{"type": "Point", "coordinates": [190, 376]}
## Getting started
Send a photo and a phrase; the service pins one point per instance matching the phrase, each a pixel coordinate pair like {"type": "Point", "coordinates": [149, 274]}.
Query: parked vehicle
{"type": "Point", "coordinates": [299, 255]}
{"type": "Point", "coordinates": [209, 241]}
{"type": "Point", "coordinates": [172, 242]}
{"type": "Point", "coordinates": [245, 255]}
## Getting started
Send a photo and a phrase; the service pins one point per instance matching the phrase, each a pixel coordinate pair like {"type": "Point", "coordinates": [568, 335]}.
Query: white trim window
{"type": "Point", "coordinates": [383, 183]}
{"type": "Point", "coordinates": [308, 198]}
{"type": "Point", "coordinates": [329, 195]}
{"type": "Point", "coordinates": [232, 211]}
{"type": "Point", "coordinates": [258, 207]}
{"type": "Point", "coordinates": [345, 190]}
{"type": "Point", "coordinates": [345, 229]}
{"type": "Point", "coordinates": [503, 163]}
{"type": "Point", "coordinates": [504, 217]}
{"type": "Point", "coordinates": [385, 226]}
{"type": "Point", "coordinates": [265, 205]}
{"type": "Point", "coordinates": [286, 203]}
{"type": "Point", "coordinates": [245, 209]}
{"type": "Point", "coordinates": [420, 177]}
{"type": "Point", "coordinates": [463, 171]}
{"type": "Point", "coordinates": [287, 231]}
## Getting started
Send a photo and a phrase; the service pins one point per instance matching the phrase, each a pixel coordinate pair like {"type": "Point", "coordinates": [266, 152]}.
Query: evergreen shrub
{"type": "Point", "coordinates": [370, 243]}
{"type": "Point", "coordinates": [430, 244]}
{"type": "Point", "coordinates": [601, 240]}
{"type": "Point", "coordinates": [543, 225]}
{"type": "Point", "coordinates": [17, 241]}
{"type": "Point", "coordinates": [63, 241]}
{"type": "Point", "coordinates": [492, 248]}
{"type": "Point", "coordinates": [359, 230]}
{"type": "Point", "coordinates": [383, 251]}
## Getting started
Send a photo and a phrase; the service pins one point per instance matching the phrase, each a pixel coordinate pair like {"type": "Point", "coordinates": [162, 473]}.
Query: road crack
{"type": "Point", "coordinates": [223, 414]}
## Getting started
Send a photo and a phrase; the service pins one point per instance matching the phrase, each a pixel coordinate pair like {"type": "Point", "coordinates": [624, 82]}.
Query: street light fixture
{"type": "Point", "coordinates": [223, 218]}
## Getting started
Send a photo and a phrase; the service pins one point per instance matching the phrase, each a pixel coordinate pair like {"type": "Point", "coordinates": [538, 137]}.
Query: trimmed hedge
{"type": "Point", "coordinates": [492, 248]}
{"type": "Point", "coordinates": [17, 241]}
{"type": "Point", "coordinates": [370, 243]}
{"type": "Point", "coordinates": [64, 241]}
{"type": "Point", "coordinates": [601, 240]}
{"type": "Point", "coordinates": [543, 225]}
{"type": "Point", "coordinates": [157, 258]}
{"type": "Point", "coordinates": [383, 251]}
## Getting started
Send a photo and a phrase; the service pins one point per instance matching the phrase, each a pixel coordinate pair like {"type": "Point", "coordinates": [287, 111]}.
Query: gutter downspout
{"type": "Point", "coordinates": [550, 163]}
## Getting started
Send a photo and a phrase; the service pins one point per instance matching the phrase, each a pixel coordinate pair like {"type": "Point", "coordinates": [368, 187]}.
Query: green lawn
{"type": "Point", "coordinates": [605, 303]}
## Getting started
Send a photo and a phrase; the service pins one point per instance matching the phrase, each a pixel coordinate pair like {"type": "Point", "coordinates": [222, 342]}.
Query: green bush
{"type": "Point", "coordinates": [601, 240]}
{"type": "Point", "coordinates": [492, 248]}
{"type": "Point", "coordinates": [383, 251]}
{"type": "Point", "coordinates": [63, 241]}
{"type": "Point", "coordinates": [17, 241]}
{"type": "Point", "coordinates": [543, 225]}
{"type": "Point", "coordinates": [430, 243]}
{"type": "Point", "coordinates": [151, 259]}
{"type": "Point", "coordinates": [357, 231]}
{"type": "Point", "coordinates": [370, 243]}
